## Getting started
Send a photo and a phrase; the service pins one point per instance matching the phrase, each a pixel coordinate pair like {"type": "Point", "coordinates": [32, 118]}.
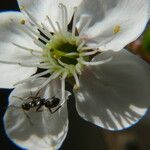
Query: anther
{"type": "Point", "coordinates": [76, 88]}
{"type": "Point", "coordinates": [116, 29]}
{"type": "Point", "coordinates": [23, 22]}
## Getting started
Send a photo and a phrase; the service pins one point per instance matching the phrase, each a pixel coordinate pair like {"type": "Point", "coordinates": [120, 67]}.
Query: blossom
{"type": "Point", "coordinates": [81, 41]}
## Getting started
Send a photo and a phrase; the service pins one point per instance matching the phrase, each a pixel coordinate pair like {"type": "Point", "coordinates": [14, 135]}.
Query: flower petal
{"type": "Point", "coordinates": [41, 9]}
{"type": "Point", "coordinates": [119, 23]}
{"type": "Point", "coordinates": [9, 34]}
{"type": "Point", "coordinates": [114, 95]}
{"type": "Point", "coordinates": [31, 129]}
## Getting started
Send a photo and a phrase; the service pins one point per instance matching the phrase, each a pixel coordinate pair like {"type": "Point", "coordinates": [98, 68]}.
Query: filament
{"type": "Point", "coordinates": [27, 49]}
{"type": "Point", "coordinates": [74, 22]}
{"type": "Point", "coordinates": [51, 23]}
{"type": "Point", "coordinates": [89, 53]}
{"type": "Point", "coordinates": [94, 63]}
{"type": "Point", "coordinates": [76, 80]}
{"type": "Point", "coordinates": [63, 97]}
{"type": "Point", "coordinates": [53, 76]}
{"type": "Point", "coordinates": [25, 64]}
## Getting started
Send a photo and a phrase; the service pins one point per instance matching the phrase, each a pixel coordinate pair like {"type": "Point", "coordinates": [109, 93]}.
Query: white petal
{"type": "Point", "coordinates": [40, 9]}
{"type": "Point", "coordinates": [115, 95]}
{"type": "Point", "coordinates": [118, 24]}
{"type": "Point", "coordinates": [9, 33]}
{"type": "Point", "coordinates": [36, 130]}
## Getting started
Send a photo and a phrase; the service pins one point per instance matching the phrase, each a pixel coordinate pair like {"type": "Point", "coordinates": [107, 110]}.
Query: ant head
{"type": "Point", "coordinates": [26, 106]}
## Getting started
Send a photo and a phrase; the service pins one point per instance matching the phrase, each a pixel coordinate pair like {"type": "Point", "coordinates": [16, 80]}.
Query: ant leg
{"type": "Point", "coordinates": [38, 109]}
{"type": "Point", "coordinates": [52, 112]}
{"type": "Point", "coordinates": [29, 119]}
{"type": "Point", "coordinates": [37, 93]}
{"type": "Point", "coordinates": [30, 89]}
{"type": "Point", "coordinates": [13, 106]}
{"type": "Point", "coordinates": [20, 98]}
{"type": "Point", "coordinates": [33, 97]}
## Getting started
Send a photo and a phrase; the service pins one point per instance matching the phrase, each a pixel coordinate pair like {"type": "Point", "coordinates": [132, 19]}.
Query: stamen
{"type": "Point", "coordinates": [89, 53]}
{"type": "Point", "coordinates": [81, 45]}
{"type": "Point", "coordinates": [44, 32]}
{"type": "Point", "coordinates": [25, 64]}
{"type": "Point", "coordinates": [42, 38]}
{"type": "Point", "coordinates": [72, 54]}
{"type": "Point", "coordinates": [63, 87]}
{"type": "Point", "coordinates": [38, 35]}
{"type": "Point", "coordinates": [33, 77]}
{"type": "Point", "coordinates": [52, 77]}
{"type": "Point", "coordinates": [34, 21]}
{"type": "Point", "coordinates": [30, 29]}
{"type": "Point", "coordinates": [63, 64]}
{"type": "Point", "coordinates": [76, 80]}
{"type": "Point", "coordinates": [39, 43]}
{"type": "Point", "coordinates": [65, 17]}
{"type": "Point", "coordinates": [88, 48]}
{"type": "Point", "coordinates": [83, 20]}
{"type": "Point", "coordinates": [59, 28]}
{"type": "Point", "coordinates": [50, 60]}
{"type": "Point", "coordinates": [89, 19]}
{"type": "Point", "coordinates": [27, 32]}
{"type": "Point", "coordinates": [74, 22]}
{"type": "Point", "coordinates": [78, 68]}
{"type": "Point", "coordinates": [94, 63]}
{"type": "Point", "coordinates": [47, 33]}
{"type": "Point", "coordinates": [36, 40]}
{"type": "Point", "coordinates": [31, 17]}
{"type": "Point", "coordinates": [51, 23]}
{"type": "Point", "coordinates": [27, 49]}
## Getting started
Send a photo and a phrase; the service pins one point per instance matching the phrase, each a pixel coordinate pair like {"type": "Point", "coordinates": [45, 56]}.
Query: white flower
{"type": "Point", "coordinates": [70, 39]}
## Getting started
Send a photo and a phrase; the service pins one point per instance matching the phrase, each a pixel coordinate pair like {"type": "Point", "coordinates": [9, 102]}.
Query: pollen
{"type": "Point", "coordinates": [76, 88]}
{"type": "Point", "coordinates": [117, 29]}
{"type": "Point", "coordinates": [23, 22]}
{"type": "Point", "coordinates": [56, 56]}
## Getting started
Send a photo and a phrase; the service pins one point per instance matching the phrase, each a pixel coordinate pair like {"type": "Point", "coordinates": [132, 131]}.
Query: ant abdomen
{"type": "Point", "coordinates": [52, 104]}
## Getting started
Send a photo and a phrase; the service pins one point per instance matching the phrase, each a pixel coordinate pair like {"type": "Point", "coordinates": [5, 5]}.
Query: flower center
{"type": "Point", "coordinates": [62, 53]}
{"type": "Point", "coordinates": [60, 46]}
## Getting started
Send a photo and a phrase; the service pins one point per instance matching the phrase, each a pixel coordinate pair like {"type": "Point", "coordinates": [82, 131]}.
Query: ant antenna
{"type": "Point", "coordinates": [19, 98]}
{"type": "Point", "coordinates": [28, 117]}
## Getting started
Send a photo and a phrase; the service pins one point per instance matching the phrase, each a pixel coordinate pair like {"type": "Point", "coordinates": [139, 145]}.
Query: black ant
{"type": "Point", "coordinates": [37, 102]}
